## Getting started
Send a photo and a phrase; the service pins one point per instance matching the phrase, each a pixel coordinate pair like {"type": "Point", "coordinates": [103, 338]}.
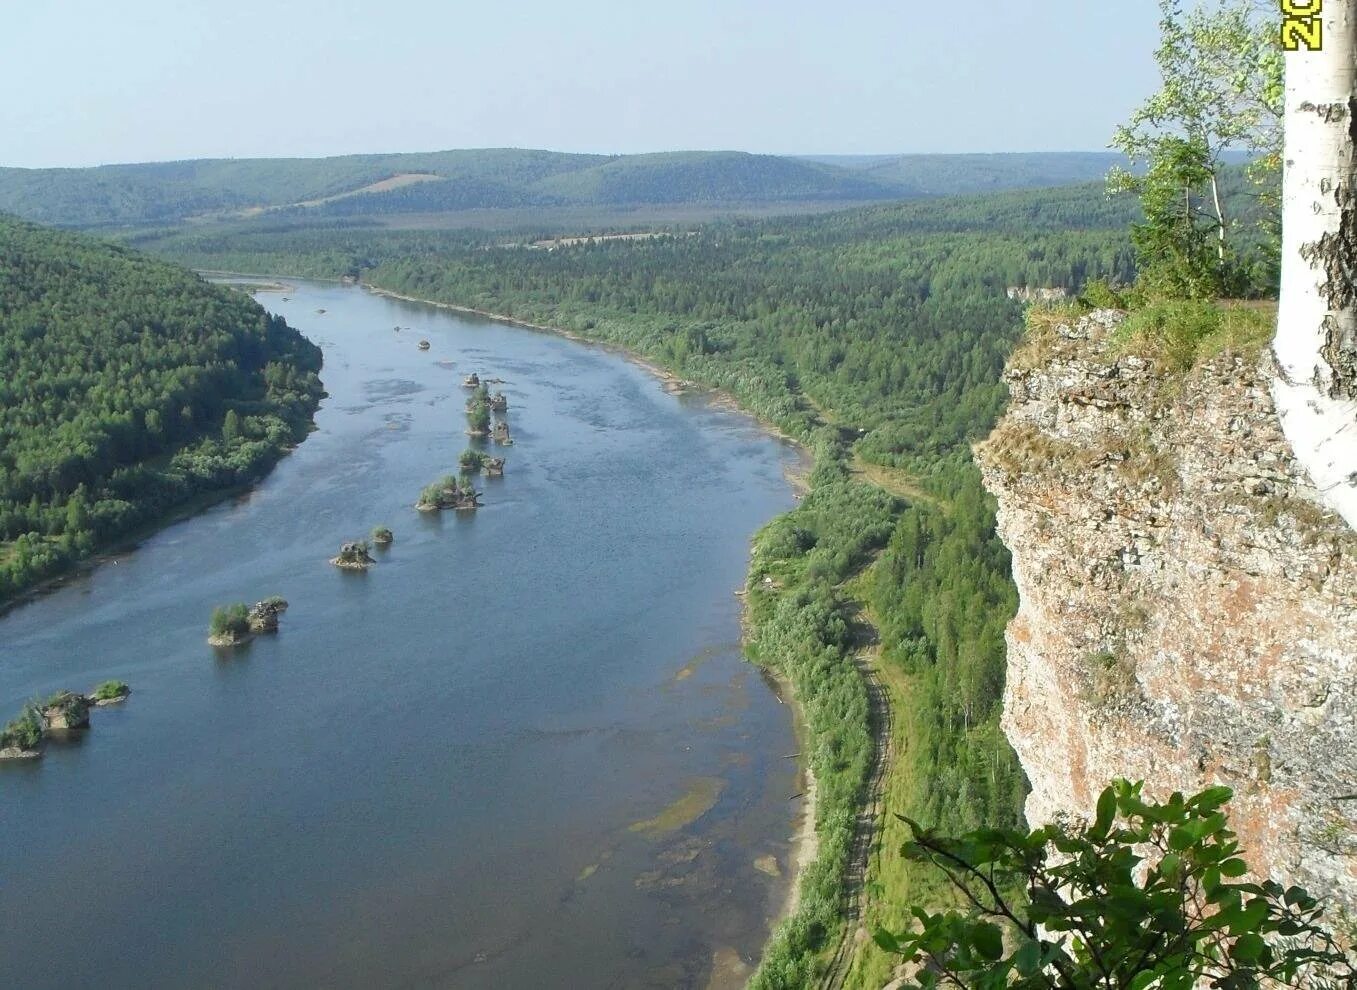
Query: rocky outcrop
{"type": "Point", "coordinates": [1031, 294]}
{"type": "Point", "coordinates": [66, 710]}
{"type": "Point", "coordinates": [1188, 612]}
{"type": "Point", "coordinates": [263, 616]}
{"type": "Point", "coordinates": [446, 493]}
{"type": "Point", "coordinates": [354, 556]}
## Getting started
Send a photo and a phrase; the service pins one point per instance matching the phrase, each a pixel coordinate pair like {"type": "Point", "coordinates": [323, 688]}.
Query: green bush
{"type": "Point", "coordinates": [109, 690]}
{"type": "Point", "coordinates": [25, 731]}
{"type": "Point", "coordinates": [471, 461]}
{"type": "Point", "coordinates": [1149, 894]}
{"type": "Point", "coordinates": [230, 620]}
{"type": "Point", "coordinates": [382, 534]}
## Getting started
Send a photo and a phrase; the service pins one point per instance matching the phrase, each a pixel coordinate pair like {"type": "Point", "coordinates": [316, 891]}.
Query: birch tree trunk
{"type": "Point", "coordinates": [1220, 218]}
{"type": "Point", "coordinates": [1316, 342]}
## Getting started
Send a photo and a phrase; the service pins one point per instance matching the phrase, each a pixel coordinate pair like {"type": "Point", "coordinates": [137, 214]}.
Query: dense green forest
{"type": "Point", "coordinates": [128, 387]}
{"type": "Point", "coordinates": [454, 181]}
{"type": "Point", "coordinates": [876, 337]}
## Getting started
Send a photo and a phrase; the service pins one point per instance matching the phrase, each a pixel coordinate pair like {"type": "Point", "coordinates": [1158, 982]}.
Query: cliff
{"type": "Point", "coordinates": [1188, 614]}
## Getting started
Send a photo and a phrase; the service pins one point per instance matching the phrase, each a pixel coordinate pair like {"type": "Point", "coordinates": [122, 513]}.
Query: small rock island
{"type": "Point", "coordinates": [65, 710]}
{"type": "Point", "coordinates": [62, 713]}
{"type": "Point", "coordinates": [354, 556]}
{"type": "Point", "coordinates": [447, 493]}
{"type": "Point", "coordinates": [109, 693]}
{"type": "Point", "coordinates": [382, 536]}
{"type": "Point", "coordinates": [232, 625]}
{"type": "Point", "coordinates": [473, 460]}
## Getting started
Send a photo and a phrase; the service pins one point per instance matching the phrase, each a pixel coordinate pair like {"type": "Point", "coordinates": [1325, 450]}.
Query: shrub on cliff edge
{"type": "Point", "coordinates": [1150, 894]}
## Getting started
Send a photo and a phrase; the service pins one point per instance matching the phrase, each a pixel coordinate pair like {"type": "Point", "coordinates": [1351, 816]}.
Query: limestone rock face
{"type": "Point", "coordinates": [1188, 612]}
{"type": "Point", "coordinates": [1028, 294]}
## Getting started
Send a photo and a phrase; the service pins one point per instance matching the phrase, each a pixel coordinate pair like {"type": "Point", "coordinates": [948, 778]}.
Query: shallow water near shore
{"type": "Point", "coordinates": [522, 750]}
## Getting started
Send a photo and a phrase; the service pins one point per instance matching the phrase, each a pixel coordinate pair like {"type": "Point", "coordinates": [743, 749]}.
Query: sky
{"type": "Point", "coordinates": [90, 82]}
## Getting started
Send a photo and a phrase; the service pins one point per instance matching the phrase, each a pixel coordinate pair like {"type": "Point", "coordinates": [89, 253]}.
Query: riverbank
{"type": "Point", "coordinates": [804, 843]}
{"type": "Point", "coordinates": [134, 538]}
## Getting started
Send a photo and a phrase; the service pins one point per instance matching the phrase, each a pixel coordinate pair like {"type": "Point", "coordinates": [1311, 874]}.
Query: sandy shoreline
{"type": "Point", "coordinates": [804, 841]}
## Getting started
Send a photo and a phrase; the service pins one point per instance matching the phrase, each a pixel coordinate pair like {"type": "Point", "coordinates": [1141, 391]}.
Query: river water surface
{"type": "Point", "coordinates": [521, 751]}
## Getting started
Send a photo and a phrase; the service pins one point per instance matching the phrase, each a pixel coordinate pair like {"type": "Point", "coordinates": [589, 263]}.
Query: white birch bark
{"type": "Point", "coordinates": [1316, 342]}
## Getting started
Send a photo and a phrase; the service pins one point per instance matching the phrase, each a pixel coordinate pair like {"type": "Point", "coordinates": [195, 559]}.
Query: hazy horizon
{"type": "Point", "coordinates": [155, 80]}
{"type": "Point", "coordinates": [381, 153]}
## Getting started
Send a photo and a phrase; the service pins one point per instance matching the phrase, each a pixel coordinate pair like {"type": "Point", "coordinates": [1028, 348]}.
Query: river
{"type": "Point", "coordinates": [523, 750]}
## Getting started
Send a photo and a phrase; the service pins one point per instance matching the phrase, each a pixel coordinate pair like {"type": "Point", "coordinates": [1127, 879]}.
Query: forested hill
{"type": "Point", "coordinates": [128, 387]}
{"type": "Point", "coordinates": [950, 175]}
{"type": "Point", "coordinates": [450, 181]}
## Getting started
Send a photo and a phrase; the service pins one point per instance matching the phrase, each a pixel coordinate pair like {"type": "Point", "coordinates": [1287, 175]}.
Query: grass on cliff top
{"type": "Point", "coordinates": [1179, 335]}
{"type": "Point", "coordinates": [1042, 335]}
{"type": "Point", "coordinates": [1176, 334]}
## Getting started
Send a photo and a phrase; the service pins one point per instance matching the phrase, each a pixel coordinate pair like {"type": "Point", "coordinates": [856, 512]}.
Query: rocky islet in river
{"type": "Point", "coordinates": [355, 555]}
{"type": "Point", "coordinates": [64, 712]}
{"type": "Point", "coordinates": [232, 625]}
{"type": "Point", "coordinates": [448, 493]}
{"type": "Point", "coordinates": [109, 693]}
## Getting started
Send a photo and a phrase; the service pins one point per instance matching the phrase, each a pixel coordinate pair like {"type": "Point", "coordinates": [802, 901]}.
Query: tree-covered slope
{"type": "Point", "coordinates": [710, 176]}
{"type": "Point", "coordinates": [949, 175]}
{"type": "Point", "coordinates": [128, 386]}
{"type": "Point", "coordinates": [172, 191]}
{"type": "Point", "coordinates": [160, 192]}
{"type": "Point", "coordinates": [496, 178]}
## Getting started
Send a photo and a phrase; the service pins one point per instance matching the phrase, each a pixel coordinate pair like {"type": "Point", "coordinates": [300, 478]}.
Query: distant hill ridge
{"type": "Point", "coordinates": [443, 181]}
